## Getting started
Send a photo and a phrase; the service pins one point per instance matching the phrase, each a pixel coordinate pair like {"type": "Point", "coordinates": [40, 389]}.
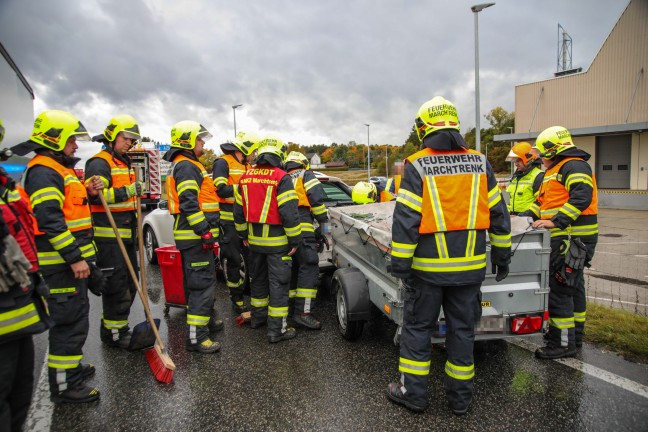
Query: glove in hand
{"type": "Point", "coordinates": [135, 189]}
{"type": "Point", "coordinates": [97, 282]}
{"type": "Point", "coordinates": [501, 272]}
{"type": "Point", "coordinates": [208, 241]}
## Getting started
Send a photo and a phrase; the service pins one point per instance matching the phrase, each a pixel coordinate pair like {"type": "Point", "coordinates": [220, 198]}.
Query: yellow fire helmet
{"type": "Point", "coordinates": [298, 158]}
{"type": "Point", "coordinates": [53, 128]}
{"type": "Point", "coordinates": [553, 141]}
{"type": "Point", "coordinates": [364, 192]}
{"type": "Point", "coordinates": [125, 124]}
{"type": "Point", "coordinates": [246, 142]}
{"type": "Point", "coordinates": [184, 134]}
{"type": "Point", "coordinates": [436, 114]}
{"type": "Point", "coordinates": [521, 150]}
{"type": "Point", "coordinates": [279, 148]}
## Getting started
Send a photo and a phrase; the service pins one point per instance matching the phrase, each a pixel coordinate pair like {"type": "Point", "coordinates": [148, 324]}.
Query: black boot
{"type": "Point", "coordinates": [205, 347]}
{"type": "Point", "coordinates": [395, 394]}
{"type": "Point", "coordinates": [81, 393]}
{"type": "Point", "coordinates": [288, 334]}
{"type": "Point", "coordinates": [215, 325]}
{"type": "Point", "coordinates": [554, 352]}
{"type": "Point", "coordinates": [307, 320]}
{"type": "Point", "coordinates": [123, 340]}
{"type": "Point", "coordinates": [87, 370]}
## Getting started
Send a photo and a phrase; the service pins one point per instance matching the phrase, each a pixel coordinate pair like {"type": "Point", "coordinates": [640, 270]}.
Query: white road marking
{"type": "Point", "coordinates": [622, 254]}
{"type": "Point", "coordinates": [41, 410]}
{"type": "Point", "coordinates": [619, 243]}
{"type": "Point", "coordinates": [602, 374]}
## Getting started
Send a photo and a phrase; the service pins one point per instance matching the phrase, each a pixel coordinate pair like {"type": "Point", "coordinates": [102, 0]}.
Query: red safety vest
{"type": "Point", "coordinates": [447, 176]}
{"type": "Point", "coordinates": [16, 214]}
{"type": "Point", "coordinates": [259, 195]}
{"type": "Point", "coordinates": [121, 176]}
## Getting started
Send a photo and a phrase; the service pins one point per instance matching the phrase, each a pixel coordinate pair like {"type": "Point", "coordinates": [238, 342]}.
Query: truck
{"type": "Point", "coordinates": [363, 287]}
{"type": "Point", "coordinates": [147, 164]}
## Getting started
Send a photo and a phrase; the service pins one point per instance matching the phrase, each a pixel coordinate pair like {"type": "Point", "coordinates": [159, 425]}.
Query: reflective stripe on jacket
{"type": "Point", "coordinates": [207, 197]}
{"type": "Point", "coordinates": [121, 175]}
{"type": "Point", "coordinates": [521, 191]}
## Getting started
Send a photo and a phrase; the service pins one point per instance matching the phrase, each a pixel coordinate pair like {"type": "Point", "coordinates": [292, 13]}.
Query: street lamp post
{"type": "Point", "coordinates": [234, 109]}
{"type": "Point", "coordinates": [368, 155]}
{"type": "Point", "coordinates": [386, 163]}
{"type": "Point", "coordinates": [476, 9]}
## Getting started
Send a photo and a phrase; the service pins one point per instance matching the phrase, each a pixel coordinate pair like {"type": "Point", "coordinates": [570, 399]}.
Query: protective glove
{"type": "Point", "coordinates": [501, 272]}
{"type": "Point", "coordinates": [97, 281]}
{"type": "Point", "coordinates": [208, 241]}
{"type": "Point", "coordinates": [576, 254]}
{"type": "Point", "coordinates": [135, 189]}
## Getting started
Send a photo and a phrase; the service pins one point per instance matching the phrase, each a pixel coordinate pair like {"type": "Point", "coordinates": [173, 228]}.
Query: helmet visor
{"type": "Point", "coordinates": [81, 136]}
{"type": "Point", "coordinates": [130, 135]}
{"type": "Point", "coordinates": [205, 136]}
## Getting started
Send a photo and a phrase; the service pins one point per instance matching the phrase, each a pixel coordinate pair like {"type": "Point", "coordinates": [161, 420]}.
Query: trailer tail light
{"type": "Point", "coordinates": [526, 325]}
{"type": "Point", "coordinates": [546, 315]}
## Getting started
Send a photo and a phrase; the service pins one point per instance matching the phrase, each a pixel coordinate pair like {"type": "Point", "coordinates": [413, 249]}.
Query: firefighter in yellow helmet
{"type": "Point", "coordinates": [267, 219]}
{"type": "Point", "coordinates": [364, 193]}
{"type": "Point", "coordinates": [66, 251]}
{"type": "Point", "coordinates": [113, 166]}
{"type": "Point", "coordinates": [448, 200]}
{"type": "Point", "coordinates": [526, 180]}
{"type": "Point", "coordinates": [227, 171]}
{"type": "Point", "coordinates": [567, 205]}
{"type": "Point", "coordinates": [194, 205]}
{"type": "Point", "coordinates": [305, 269]}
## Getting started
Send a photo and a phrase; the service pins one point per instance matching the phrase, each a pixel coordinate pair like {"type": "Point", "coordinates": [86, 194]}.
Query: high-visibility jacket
{"type": "Point", "coordinates": [116, 175]}
{"type": "Point", "coordinates": [192, 200]}
{"type": "Point", "coordinates": [17, 215]}
{"type": "Point", "coordinates": [120, 175]}
{"type": "Point", "coordinates": [227, 172]}
{"type": "Point", "coordinates": [310, 200]}
{"type": "Point", "coordinates": [63, 222]}
{"type": "Point", "coordinates": [447, 201]}
{"type": "Point", "coordinates": [569, 197]}
{"type": "Point", "coordinates": [265, 210]}
{"type": "Point", "coordinates": [522, 190]}
{"type": "Point", "coordinates": [391, 189]}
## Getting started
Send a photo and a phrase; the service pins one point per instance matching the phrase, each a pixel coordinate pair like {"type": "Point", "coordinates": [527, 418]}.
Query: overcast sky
{"type": "Point", "coordinates": [313, 72]}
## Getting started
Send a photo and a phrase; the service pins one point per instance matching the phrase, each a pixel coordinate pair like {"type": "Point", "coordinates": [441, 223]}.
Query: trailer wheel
{"type": "Point", "coordinates": [350, 283]}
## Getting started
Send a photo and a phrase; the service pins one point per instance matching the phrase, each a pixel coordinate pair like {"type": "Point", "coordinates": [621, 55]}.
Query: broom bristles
{"type": "Point", "coordinates": [161, 364]}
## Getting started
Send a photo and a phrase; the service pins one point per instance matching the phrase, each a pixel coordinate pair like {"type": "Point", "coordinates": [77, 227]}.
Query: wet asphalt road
{"type": "Point", "coordinates": [320, 382]}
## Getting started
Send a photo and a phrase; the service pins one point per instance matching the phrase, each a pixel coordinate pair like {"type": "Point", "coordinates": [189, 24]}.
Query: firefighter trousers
{"type": "Point", "coordinates": [16, 382]}
{"type": "Point", "coordinates": [120, 291]}
{"type": "Point", "coordinates": [269, 290]}
{"type": "Point", "coordinates": [199, 278]}
{"type": "Point", "coordinates": [462, 309]}
{"type": "Point", "coordinates": [234, 255]}
{"type": "Point", "coordinates": [69, 309]}
{"type": "Point", "coordinates": [305, 274]}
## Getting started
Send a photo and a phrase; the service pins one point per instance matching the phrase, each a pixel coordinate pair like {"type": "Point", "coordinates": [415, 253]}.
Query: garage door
{"type": "Point", "coordinates": [613, 161]}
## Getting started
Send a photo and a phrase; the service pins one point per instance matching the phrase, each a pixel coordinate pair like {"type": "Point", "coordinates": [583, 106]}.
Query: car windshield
{"type": "Point", "coordinates": [334, 193]}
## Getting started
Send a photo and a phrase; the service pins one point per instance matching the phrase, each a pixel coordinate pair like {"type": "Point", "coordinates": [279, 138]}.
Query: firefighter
{"type": "Point", "coordinates": [64, 240]}
{"type": "Point", "coordinates": [267, 219]}
{"type": "Point", "coordinates": [21, 310]}
{"type": "Point", "coordinates": [526, 180]}
{"type": "Point", "coordinates": [567, 205]}
{"type": "Point", "coordinates": [447, 200]}
{"type": "Point", "coordinates": [310, 195]}
{"type": "Point", "coordinates": [364, 193]}
{"type": "Point", "coordinates": [113, 166]}
{"type": "Point", "coordinates": [194, 204]}
{"type": "Point", "coordinates": [227, 171]}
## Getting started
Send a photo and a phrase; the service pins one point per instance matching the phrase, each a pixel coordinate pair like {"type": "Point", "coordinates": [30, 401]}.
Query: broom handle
{"type": "Point", "coordinates": [147, 310]}
{"type": "Point", "coordinates": [140, 241]}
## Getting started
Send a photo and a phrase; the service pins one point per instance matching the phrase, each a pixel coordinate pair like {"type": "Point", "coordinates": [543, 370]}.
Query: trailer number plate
{"type": "Point", "coordinates": [486, 304]}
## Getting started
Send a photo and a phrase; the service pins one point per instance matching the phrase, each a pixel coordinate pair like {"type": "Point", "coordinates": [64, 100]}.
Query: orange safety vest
{"type": "Point", "coordinates": [447, 177]}
{"type": "Point", "coordinates": [298, 182]}
{"type": "Point", "coordinates": [207, 198]}
{"type": "Point", "coordinates": [121, 176]}
{"type": "Point", "coordinates": [236, 170]}
{"type": "Point", "coordinates": [259, 195]}
{"type": "Point", "coordinates": [553, 194]}
{"type": "Point", "coordinates": [75, 203]}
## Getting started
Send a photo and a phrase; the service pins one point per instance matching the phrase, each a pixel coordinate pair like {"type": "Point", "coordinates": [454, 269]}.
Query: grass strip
{"type": "Point", "coordinates": [619, 331]}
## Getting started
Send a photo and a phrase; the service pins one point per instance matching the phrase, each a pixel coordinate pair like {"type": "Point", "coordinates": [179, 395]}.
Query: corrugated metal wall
{"type": "Point", "coordinates": [601, 95]}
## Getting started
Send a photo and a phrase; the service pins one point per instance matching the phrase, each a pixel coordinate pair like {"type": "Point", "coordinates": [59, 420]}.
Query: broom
{"type": "Point", "coordinates": [161, 364]}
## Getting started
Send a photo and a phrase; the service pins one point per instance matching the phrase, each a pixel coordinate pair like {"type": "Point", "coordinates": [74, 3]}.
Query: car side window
{"type": "Point", "coordinates": [334, 193]}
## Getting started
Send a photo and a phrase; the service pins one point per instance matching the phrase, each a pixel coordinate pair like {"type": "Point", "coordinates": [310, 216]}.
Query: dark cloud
{"type": "Point", "coordinates": [310, 71]}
